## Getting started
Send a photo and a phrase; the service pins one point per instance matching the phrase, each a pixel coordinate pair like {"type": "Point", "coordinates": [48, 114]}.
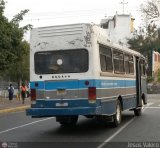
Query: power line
{"type": "Point", "coordinates": [60, 13]}
{"type": "Point", "coordinates": [64, 16]}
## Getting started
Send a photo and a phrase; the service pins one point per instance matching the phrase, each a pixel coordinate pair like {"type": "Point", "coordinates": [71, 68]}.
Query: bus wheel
{"type": "Point", "coordinates": [67, 121]}
{"type": "Point", "coordinates": [138, 111]}
{"type": "Point", "coordinates": [117, 118]}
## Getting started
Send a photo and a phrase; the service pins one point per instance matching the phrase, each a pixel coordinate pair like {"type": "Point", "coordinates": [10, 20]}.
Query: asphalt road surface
{"type": "Point", "coordinates": [18, 130]}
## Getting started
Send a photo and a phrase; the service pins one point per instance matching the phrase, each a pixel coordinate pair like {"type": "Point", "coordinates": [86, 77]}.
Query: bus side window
{"type": "Point", "coordinates": [126, 60]}
{"type": "Point", "coordinates": [129, 64]}
{"type": "Point", "coordinates": [105, 59]}
{"type": "Point", "coordinates": [143, 71]}
{"type": "Point", "coordinates": [103, 62]}
{"type": "Point", "coordinates": [118, 59]}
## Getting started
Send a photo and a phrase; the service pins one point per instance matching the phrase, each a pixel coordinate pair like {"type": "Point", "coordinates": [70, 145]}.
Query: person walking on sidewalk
{"type": "Point", "coordinates": [23, 92]}
{"type": "Point", "coordinates": [10, 92]}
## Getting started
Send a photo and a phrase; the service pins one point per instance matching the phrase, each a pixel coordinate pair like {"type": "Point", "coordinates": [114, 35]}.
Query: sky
{"type": "Point", "coordinates": [57, 12]}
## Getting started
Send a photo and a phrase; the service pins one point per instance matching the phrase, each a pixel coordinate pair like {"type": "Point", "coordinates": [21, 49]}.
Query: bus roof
{"type": "Point", "coordinates": [97, 29]}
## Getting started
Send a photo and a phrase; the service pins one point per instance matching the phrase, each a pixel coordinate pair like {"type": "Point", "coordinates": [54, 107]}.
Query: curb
{"type": "Point", "coordinates": [16, 109]}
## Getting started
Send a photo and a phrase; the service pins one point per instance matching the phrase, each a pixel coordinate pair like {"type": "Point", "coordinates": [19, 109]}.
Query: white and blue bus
{"type": "Point", "coordinates": [75, 70]}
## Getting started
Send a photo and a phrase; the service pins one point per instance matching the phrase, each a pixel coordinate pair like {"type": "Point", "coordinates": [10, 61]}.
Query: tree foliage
{"type": "Point", "coordinates": [19, 70]}
{"type": "Point", "coordinates": [150, 10]}
{"type": "Point", "coordinates": [13, 49]}
{"type": "Point", "coordinates": [145, 41]}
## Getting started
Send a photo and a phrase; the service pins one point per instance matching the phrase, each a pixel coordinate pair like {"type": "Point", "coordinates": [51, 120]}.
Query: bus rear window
{"type": "Point", "coordinates": [62, 61]}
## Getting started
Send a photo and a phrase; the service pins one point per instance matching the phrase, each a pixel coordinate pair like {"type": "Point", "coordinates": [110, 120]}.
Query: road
{"type": "Point", "coordinates": [19, 130]}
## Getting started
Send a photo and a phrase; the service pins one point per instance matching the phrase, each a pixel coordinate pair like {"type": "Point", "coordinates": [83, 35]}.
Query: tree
{"type": "Point", "coordinates": [150, 10]}
{"type": "Point", "coordinates": [14, 50]}
{"type": "Point", "coordinates": [19, 71]}
{"type": "Point", "coordinates": [145, 41]}
{"type": "Point", "coordinates": [6, 55]}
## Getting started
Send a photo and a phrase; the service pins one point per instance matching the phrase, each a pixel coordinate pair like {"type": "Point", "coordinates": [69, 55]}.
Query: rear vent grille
{"type": "Point", "coordinates": [60, 30]}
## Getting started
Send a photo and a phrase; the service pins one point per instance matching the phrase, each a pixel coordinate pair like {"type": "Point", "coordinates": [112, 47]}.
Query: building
{"type": "Point", "coordinates": [119, 28]}
{"type": "Point", "coordinates": [155, 64]}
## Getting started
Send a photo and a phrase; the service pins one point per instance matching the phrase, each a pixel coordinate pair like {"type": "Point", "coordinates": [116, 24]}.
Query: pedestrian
{"type": "Point", "coordinates": [23, 92]}
{"type": "Point", "coordinates": [10, 92]}
{"type": "Point", "coordinates": [19, 93]}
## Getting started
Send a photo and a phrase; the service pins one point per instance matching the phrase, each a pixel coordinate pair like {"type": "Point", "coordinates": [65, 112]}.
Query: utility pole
{"type": "Point", "coordinates": [123, 3]}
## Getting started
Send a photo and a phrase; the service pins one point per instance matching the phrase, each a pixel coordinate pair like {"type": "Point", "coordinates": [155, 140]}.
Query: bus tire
{"type": "Point", "coordinates": [67, 121]}
{"type": "Point", "coordinates": [138, 112]}
{"type": "Point", "coordinates": [117, 118]}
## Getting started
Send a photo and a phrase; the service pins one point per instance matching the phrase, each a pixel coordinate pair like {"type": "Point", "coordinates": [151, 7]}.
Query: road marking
{"type": "Point", "coordinates": [148, 104]}
{"type": "Point", "coordinates": [116, 133]}
{"type": "Point", "coordinates": [153, 107]}
{"type": "Point", "coordinates": [121, 129]}
{"type": "Point", "coordinates": [11, 129]}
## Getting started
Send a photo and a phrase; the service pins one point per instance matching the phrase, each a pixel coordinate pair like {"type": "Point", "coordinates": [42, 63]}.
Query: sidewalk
{"type": "Point", "coordinates": [15, 105]}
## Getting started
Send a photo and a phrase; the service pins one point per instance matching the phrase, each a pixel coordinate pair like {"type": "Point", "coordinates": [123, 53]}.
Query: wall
{"type": "Point", "coordinates": [119, 28]}
{"type": "Point", "coordinates": [155, 64]}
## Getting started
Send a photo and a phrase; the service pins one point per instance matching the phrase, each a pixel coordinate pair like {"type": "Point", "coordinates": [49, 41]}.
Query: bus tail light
{"type": "Point", "coordinates": [92, 94]}
{"type": "Point", "coordinates": [33, 94]}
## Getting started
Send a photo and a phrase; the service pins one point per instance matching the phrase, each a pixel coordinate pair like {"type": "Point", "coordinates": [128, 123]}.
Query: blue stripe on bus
{"type": "Point", "coordinates": [80, 84]}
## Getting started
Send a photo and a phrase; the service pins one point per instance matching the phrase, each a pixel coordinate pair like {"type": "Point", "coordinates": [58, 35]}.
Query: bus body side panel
{"type": "Point", "coordinates": [108, 106]}
{"type": "Point", "coordinates": [129, 102]}
{"type": "Point", "coordinates": [129, 99]}
{"type": "Point", "coordinates": [112, 89]}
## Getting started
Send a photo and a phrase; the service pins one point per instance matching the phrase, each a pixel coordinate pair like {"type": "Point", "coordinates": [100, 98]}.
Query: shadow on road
{"type": "Point", "coordinates": [88, 127]}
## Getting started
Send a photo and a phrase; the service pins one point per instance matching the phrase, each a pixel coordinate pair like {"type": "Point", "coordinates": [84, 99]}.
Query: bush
{"type": "Point", "coordinates": [150, 79]}
{"type": "Point", "coordinates": [158, 75]}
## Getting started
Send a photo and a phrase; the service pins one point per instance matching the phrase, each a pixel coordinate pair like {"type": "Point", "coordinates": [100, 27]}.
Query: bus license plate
{"type": "Point", "coordinates": [62, 104]}
{"type": "Point", "coordinates": [61, 92]}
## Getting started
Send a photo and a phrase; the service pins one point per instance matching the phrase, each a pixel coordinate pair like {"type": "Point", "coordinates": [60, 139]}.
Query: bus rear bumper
{"type": "Point", "coordinates": [48, 112]}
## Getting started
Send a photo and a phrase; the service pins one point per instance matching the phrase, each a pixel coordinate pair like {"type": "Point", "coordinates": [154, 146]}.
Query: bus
{"type": "Point", "coordinates": [76, 71]}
